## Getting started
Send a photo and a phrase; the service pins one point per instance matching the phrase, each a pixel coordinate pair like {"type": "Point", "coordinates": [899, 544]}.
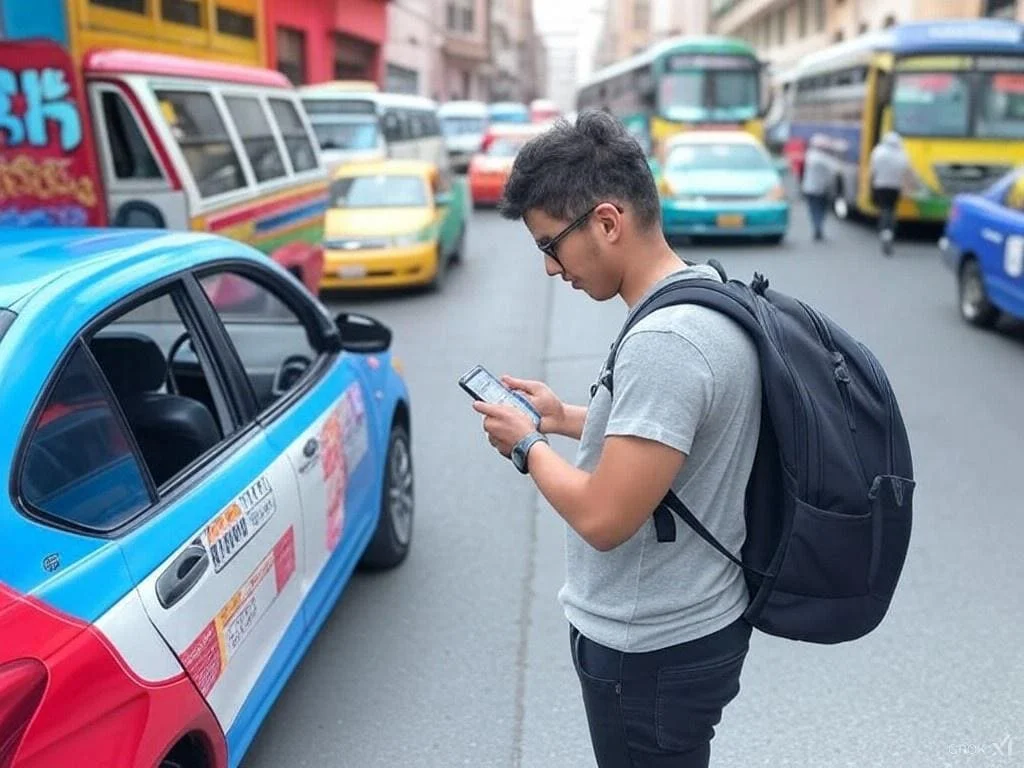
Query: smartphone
{"type": "Point", "coordinates": [482, 385]}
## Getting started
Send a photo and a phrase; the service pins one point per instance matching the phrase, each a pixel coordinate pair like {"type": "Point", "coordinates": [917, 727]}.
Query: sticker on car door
{"type": "Point", "coordinates": [226, 535]}
{"type": "Point", "coordinates": [1013, 256]}
{"type": "Point", "coordinates": [208, 655]}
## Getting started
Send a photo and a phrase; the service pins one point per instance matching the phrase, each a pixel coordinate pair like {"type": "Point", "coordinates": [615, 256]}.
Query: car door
{"type": "Point", "coordinates": [218, 560]}
{"type": "Point", "coordinates": [1005, 269]}
{"type": "Point", "coordinates": [314, 411]}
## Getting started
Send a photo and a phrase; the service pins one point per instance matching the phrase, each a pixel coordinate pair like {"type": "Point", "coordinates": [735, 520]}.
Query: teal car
{"type": "Point", "coordinates": [721, 183]}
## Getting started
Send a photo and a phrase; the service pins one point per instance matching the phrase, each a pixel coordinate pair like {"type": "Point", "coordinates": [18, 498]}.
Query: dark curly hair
{"type": "Point", "coordinates": [570, 168]}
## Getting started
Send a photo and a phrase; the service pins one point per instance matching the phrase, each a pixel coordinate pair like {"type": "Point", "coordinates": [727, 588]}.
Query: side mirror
{"type": "Point", "coordinates": [361, 334]}
{"type": "Point", "coordinates": [443, 199]}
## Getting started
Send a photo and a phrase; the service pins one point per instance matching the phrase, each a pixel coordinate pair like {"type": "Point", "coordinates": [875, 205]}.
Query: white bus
{"type": "Point", "coordinates": [357, 125]}
{"type": "Point", "coordinates": [464, 124]}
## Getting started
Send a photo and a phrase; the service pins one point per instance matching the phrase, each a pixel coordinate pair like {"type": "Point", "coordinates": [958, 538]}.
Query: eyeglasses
{"type": "Point", "coordinates": [550, 248]}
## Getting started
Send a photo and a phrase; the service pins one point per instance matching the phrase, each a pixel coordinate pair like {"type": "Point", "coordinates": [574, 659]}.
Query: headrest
{"type": "Point", "coordinates": [132, 362]}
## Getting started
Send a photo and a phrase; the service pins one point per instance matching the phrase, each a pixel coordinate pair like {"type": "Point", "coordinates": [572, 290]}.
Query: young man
{"type": "Point", "coordinates": [816, 183]}
{"type": "Point", "coordinates": [889, 171]}
{"type": "Point", "coordinates": [656, 633]}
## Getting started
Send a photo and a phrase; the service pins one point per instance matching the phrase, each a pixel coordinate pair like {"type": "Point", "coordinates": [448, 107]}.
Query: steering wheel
{"type": "Point", "coordinates": [172, 384]}
{"type": "Point", "coordinates": [290, 370]}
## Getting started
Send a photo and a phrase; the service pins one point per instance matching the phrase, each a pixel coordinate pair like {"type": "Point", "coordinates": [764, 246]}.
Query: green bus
{"type": "Point", "coordinates": [683, 83]}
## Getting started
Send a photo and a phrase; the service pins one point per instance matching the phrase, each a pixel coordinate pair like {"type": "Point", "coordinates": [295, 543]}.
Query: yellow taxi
{"type": "Point", "coordinates": [392, 223]}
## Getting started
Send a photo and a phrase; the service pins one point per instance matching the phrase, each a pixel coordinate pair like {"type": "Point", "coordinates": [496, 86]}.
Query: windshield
{"type": "Point", "coordinates": [505, 147]}
{"type": "Point", "coordinates": [1001, 105]}
{"type": "Point", "coordinates": [463, 126]}
{"type": "Point", "coordinates": [727, 94]}
{"type": "Point", "coordinates": [380, 191]}
{"type": "Point", "coordinates": [931, 104]}
{"type": "Point", "coordinates": [355, 136]}
{"type": "Point", "coordinates": [727, 156]}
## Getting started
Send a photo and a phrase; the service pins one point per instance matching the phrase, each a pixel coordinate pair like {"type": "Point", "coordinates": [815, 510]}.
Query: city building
{"type": "Point", "coordinates": [312, 41]}
{"type": "Point", "coordinates": [626, 30]}
{"type": "Point", "coordinates": [530, 53]}
{"type": "Point", "coordinates": [464, 65]}
{"type": "Point", "coordinates": [412, 50]}
{"type": "Point", "coordinates": [671, 18]}
{"type": "Point", "coordinates": [786, 30]}
{"type": "Point", "coordinates": [503, 75]}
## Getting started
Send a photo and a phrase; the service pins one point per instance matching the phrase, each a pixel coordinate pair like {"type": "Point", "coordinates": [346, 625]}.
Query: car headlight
{"type": "Point", "coordinates": [411, 238]}
{"type": "Point", "coordinates": [778, 192]}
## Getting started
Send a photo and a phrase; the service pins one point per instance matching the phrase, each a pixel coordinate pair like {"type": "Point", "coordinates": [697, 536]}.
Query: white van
{"type": "Point", "coordinates": [464, 124]}
{"type": "Point", "coordinates": [360, 125]}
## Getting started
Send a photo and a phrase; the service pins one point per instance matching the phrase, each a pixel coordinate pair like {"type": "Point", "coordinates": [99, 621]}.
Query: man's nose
{"type": "Point", "coordinates": [551, 266]}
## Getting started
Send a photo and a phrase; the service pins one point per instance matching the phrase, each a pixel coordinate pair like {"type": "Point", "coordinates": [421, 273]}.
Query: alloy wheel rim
{"type": "Point", "coordinates": [400, 491]}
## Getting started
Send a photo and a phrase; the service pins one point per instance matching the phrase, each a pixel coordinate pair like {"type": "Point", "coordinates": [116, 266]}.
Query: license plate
{"type": "Point", "coordinates": [352, 271]}
{"type": "Point", "coordinates": [730, 220]}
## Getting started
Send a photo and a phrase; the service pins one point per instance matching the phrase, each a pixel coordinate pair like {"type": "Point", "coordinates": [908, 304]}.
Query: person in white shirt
{"type": "Point", "coordinates": [816, 183]}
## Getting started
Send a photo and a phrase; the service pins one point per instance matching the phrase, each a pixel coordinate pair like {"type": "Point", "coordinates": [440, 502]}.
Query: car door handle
{"type": "Point", "coordinates": [183, 574]}
{"type": "Point", "coordinates": [309, 450]}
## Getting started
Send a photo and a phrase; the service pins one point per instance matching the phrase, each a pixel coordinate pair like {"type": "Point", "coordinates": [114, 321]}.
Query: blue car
{"type": "Point", "coordinates": [197, 456]}
{"type": "Point", "coordinates": [716, 183]}
{"type": "Point", "coordinates": [984, 246]}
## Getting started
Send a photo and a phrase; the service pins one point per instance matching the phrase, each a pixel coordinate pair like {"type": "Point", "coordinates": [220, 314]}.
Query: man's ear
{"type": "Point", "coordinates": [610, 218]}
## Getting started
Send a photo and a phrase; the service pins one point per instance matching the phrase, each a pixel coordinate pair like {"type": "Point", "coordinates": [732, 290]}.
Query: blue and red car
{"type": "Point", "coordinates": [197, 456]}
{"type": "Point", "coordinates": [984, 246]}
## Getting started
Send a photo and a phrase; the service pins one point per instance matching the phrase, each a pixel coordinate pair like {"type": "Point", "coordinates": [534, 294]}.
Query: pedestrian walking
{"type": "Point", "coordinates": [889, 170]}
{"type": "Point", "coordinates": [817, 182]}
{"type": "Point", "coordinates": [656, 633]}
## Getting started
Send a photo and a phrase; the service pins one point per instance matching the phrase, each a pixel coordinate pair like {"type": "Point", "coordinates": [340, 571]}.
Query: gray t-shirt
{"type": "Point", "coordinates": [687, 377]}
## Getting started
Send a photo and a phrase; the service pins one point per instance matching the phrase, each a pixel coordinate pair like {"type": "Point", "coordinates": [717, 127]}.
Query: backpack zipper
{"type": "Point", "coordinates": [840, 372]}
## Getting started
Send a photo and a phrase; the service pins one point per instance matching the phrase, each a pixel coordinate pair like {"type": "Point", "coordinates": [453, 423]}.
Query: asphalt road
{"type": "Point", "coordinates": [460, 657]}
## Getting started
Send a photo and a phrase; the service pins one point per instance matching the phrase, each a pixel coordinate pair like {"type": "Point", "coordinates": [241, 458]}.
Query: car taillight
{"type": "Point", "coordinates": [22, 684]}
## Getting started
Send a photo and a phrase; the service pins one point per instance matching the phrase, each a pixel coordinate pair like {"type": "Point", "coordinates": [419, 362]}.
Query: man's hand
{"type": "Point", "coordinates": [505, 425]}
{"type": "Point", "coordinates": [550, 408]}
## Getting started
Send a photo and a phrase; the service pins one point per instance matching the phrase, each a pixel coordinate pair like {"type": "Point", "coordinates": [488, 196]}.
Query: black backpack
{"type": "Point", "coordinates": [828, 504]}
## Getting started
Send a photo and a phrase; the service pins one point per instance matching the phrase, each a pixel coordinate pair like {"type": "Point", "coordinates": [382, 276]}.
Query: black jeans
{"type": "Point", "coordinates": [817, 206]}
{"type": "Point", "coordinates": [886, 199]}
{"type": "Point", "coordinates": [659, 709]}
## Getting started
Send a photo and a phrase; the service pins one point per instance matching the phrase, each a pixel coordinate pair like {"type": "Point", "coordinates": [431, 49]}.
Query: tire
{"type": "Point", "coordinates": [775, 239]}
{"type": "Point", "coordinates": [975, 306]}
{"type": "Point", "coordinates": [460, 247]}
{"type": "Point", "coordinates": [840, 207]}
{"type": "Point", "coordinates": [391, 540]}
{"type": "Point", "coordinates": [442, 271]}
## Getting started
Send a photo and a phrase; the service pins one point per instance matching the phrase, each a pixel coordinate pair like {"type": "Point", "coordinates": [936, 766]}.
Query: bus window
{"type": "Point", "coordinates": [1001, 106]}
{"type": "Point", "coordinates": [296, 139]}
{"type": "Point", "coordinates": [257, 137]}
{"type": "Point", "coordinates": [930, 104]}
{"type": "Point", "coordinates": [197, 126]}
{"type": "Point", "coordinates": [130, 155]}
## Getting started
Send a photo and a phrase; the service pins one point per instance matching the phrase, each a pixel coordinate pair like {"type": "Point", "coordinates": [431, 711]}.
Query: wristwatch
{"type": "Point", "coordinates": [521, 450]}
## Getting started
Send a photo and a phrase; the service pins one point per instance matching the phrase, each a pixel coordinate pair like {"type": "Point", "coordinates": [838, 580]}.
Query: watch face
{"type": "Point", "coordinates": [518, 458]}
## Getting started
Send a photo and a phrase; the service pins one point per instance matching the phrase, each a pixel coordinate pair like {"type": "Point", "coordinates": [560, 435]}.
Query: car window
{"type": "Point", "coordinates": [296, 139]}
{"type": "Point", "coordinates": [379, 191]}
{"type": "Point", "coordinates": [257, 137]}
{"type": "Point", "coordinates": [198, 128]}
{"type": "Point", "coordinates": [78, 462]}
{"type": "Point", "coordinates": [272, 343]}
{"type": "Point", "coordinates": [129, 153]}
{"type": "Point", "coordinates": [164, 388]}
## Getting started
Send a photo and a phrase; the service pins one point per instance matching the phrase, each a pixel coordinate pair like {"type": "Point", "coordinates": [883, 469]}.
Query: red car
{"type": "Point", "coordinates": [489, 169]}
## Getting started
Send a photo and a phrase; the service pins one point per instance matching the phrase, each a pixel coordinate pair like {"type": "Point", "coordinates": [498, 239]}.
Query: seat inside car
{"type": "Point", "coordinates": [171, 430]}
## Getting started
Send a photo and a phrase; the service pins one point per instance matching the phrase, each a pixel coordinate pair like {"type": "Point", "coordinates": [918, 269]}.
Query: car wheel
{"type": "Point", "coordinates": [839, 205]}
{"type": "Point", "coordinates": [975, 307]}
{"type": "Point", "coordinates": [442, 270]}
{"type": "Point", "coordinates": [775, 239]}
{"type": "Point", "coordinates": [390, 543]}
{"type": "Point", "coordinates": [460, 246]}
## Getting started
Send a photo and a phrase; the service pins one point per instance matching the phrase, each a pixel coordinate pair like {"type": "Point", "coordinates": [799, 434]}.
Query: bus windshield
{"type": "Point", "coordinates": [931, 104]}
{"type": "Point", "coordinates": [355, 136]}
{"type": "Point", "coordinates": [1000, 110]}
{"type": "Point", "coordinates": [709, 94]}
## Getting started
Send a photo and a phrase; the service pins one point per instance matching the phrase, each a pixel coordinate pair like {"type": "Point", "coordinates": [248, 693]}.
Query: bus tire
{"type": "Point", "coordinates": [840, 207]}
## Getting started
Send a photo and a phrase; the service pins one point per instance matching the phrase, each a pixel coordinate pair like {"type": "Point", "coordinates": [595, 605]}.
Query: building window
{"type": "Point", "coordinates": [890, 21]}
{"type": "Point", "coordinates": [467, 18]}
{"type": "Point", "coordinates": [862, 28]}
{"type": "Point", "coordinates": [802, 14]}
{"type": "Point", "coordinates": [236, 24]}
{"type": "Point", "coordinates": [780, 20]}
{"type": "Point", "coordinates": [1001, 9]}
{"type": "Point", "coordinates": [453, 20]}
{"type": "Point", "coordinates": [353, 58]}
{"type": "Point", "coordinates": [130, 6]}
{"type": "Point", "coordinates": [291, 54]}
{"type": "Point", "coordinates": [402, 80]}
{"type": "Point", "coordinates": [819, 15]}
{"type": "Point", "coordinates": [642, 15]}
{"type": "Point", "coordinates": [182, 12]}
{"type": "Point", "coordinates": [838, 36]}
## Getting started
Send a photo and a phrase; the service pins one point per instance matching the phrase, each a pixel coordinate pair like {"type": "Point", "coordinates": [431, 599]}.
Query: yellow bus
{"type": "Point", "coordinates": [954, 91]}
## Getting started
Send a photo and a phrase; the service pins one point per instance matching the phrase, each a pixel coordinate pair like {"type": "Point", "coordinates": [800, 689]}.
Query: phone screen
{"type": "Point", "coordinates": [484, 385]}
